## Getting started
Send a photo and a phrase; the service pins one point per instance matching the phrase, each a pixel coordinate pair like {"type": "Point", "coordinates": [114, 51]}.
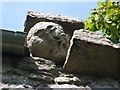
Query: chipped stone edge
{"type": "Point", "coordinates": [89, 36]}
{"type": "Point", "coordinates": [55, 17]}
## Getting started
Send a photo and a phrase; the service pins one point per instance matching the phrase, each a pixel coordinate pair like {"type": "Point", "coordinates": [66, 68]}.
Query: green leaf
{"type": "Point", "coordinates": [106, 17]}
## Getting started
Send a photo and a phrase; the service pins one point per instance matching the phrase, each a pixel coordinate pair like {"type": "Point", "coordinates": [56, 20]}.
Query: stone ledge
{"type": "Point", "coordinates": [68, 23]}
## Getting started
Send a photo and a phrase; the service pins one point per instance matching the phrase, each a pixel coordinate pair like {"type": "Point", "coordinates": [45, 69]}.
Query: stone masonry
{"type": "Point", "coordinates": [88, 55]}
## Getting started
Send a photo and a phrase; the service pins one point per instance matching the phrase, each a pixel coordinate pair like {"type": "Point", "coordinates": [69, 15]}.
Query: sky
{"type": "Point", "coordinates": [14, 13]}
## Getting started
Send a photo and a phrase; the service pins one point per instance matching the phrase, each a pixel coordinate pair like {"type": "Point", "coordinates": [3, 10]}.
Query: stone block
{"type": "Point", "coordinates": [69, 24]}
{"type": "Point", "coordinates": [91, 54]}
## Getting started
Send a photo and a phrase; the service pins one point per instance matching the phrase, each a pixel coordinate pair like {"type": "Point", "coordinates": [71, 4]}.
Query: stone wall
{"type": "Point", "coordinates": [89, 56]}
{"type": "Point", "coordinates": [89, 53]}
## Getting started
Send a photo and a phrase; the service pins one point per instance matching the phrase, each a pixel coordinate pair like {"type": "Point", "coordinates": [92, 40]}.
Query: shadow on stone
{"type": "Point", "coordinates": [21, 72]}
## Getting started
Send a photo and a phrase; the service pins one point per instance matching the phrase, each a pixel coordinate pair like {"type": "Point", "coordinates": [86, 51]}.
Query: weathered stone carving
{"type": "Point", "coordinates": [48, 40]}
{"type": "Point", "coordinates": [91, 54]}
{"type": "Point", "coordinates": [69, 24]}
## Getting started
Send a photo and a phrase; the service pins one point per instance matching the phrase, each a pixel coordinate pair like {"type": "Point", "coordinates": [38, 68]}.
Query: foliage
{"type": "Point", "coordinates": [106, 17]}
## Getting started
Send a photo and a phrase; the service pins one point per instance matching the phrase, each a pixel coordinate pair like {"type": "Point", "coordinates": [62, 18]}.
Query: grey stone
{"type": "Point", "coordinates": [77, 81]}
{"type": "Point", "coordinates": [63, 80]}
{"type": "Point", "coordinates": [36, 77]}
{"type": "Point", "coordinates": [70, 80]}
{"type": "Point", "coordinates": [66, 75]}
{"type": "Point", "coordinates": [105, 83]}
{"type": "Point", "coordinates": [48, 79]}
{"type": "Point", "coordinates": [14, 79]}
{"type": "Point", "coordinates": [47, 70]}
{"type": "Point", "coordinates": [68, 23]}
{"type": "Point", "coordinates": [48, 40]}
{"type": "Point", "coordinates": [28, 78]}
{"type": "Point", "coordinates": [27, 63]}
{"type": "Point", "coordinates": [44, 64]}
{"type": "Point", "coordinates": [68, 87]}
{"type": "Point", "coordinates": [91, 54]}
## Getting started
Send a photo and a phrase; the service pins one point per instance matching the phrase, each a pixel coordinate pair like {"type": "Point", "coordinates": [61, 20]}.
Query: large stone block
{"type": "Point", "coordinates": [69, 24]}
{"type": "Point", "coordinates": [91, 54]}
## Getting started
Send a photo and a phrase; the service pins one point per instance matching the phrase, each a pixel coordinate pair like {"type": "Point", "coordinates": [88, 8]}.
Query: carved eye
{"type": "Point", "coordinates": [38, 32]}
{"type": "Point", "coordinates": [49, 27]}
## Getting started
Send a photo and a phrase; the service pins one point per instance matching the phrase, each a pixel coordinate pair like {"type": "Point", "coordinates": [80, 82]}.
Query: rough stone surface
{"type": "Point", "coordinates": [48, 40]}
{"type": "Point", "coordinates": [63, 80]}
{"type": "Point", "coordinates": [91, 54]}
{"type": "Point", "coordinates": [69, 87]}
{"type": "Point", "coordinates": [68, 23]}
{"type": "Point", "coordinates": [26, 72]}
{"type": "Point", "coordinates": [41, 74]}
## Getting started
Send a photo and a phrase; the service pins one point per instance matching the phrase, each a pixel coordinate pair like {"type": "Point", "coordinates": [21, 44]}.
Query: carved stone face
{"type": "Point", "coordinates": [48, 40]}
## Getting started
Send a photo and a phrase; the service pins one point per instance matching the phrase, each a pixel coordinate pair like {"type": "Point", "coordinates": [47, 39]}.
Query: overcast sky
{"type": "Point", "coordinates": [14, 13]}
